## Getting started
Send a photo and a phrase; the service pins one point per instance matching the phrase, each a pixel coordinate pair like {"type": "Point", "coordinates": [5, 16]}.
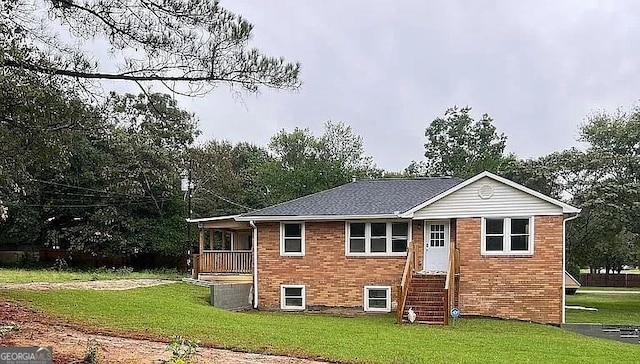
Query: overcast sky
{"type": "Point", "coordinates": [388, 68]}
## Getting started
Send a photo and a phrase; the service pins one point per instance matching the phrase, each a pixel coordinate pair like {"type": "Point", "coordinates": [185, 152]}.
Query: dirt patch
{"type": "Point", "coordinates": [24, 326]}
{"type": "Point", "coordinates": [109, 285]}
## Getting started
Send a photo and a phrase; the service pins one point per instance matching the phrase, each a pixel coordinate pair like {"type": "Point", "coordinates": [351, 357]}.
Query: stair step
{"type": "Point", "coordinates": [425, 301]}
{"type": "Point", "coordinates": [425, 293]}
{"type": "Point", "coordinates": [426, 285]}
{"type": "Point", "coordinates": [427, 310]}
{"type": "Point", "coordinates": [438, 305]}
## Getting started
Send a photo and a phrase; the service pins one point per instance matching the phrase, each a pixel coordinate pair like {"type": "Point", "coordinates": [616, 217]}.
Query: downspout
{"type": "Point", "coordinates": [254, 238]}
{"type": "Point", "coordinates": [564, 262]}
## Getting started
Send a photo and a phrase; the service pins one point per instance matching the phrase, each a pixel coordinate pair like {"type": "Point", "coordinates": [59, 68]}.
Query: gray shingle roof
{"type": "Point", "coordinates": [365, 197]}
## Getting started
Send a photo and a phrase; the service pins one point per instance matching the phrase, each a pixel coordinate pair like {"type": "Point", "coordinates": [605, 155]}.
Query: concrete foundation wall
{"type": "Point", "coordinates": [232, 296]}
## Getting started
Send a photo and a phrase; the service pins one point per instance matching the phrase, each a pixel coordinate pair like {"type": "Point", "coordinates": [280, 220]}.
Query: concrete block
{"type": "Point", "coordinates": [232, 296]}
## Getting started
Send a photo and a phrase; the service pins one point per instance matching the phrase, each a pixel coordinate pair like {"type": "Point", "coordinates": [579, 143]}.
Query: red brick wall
{"type": "Point", "coordinates": [417, 236]}
{"type": "Point", "coordinates": [331, 278]}
{"type": "Point", "coordinates": [525, 288]}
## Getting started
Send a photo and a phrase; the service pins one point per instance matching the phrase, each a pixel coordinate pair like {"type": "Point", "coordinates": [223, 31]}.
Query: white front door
{"type": "Point", "coordinates": [436, 246]}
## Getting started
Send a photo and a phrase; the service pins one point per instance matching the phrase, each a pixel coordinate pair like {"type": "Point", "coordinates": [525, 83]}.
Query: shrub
{"type": "Point", "coordinates": [182, 350]}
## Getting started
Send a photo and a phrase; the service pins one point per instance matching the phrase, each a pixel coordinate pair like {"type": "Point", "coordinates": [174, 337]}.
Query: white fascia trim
{"type": "Point", "coordinates": [566, 208]}
{"type": "Point", "coordinates": [474, 215]}
{"type": "Point", "coordinates": [318, 217]}
{"type": "Point", "coordinates": [215, 218]}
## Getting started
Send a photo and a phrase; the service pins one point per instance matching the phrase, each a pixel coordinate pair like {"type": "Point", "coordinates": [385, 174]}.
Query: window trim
{"type": "Point", "coordinates": [283, 305]}
{"type": "Point", "coordinates": [301, 253]}
{"type": "Point", "coordinates": [367, 238]}
{"type": "Point", "coordinates": [506, 237]}
{"type": "Point", "coordinates": [365, 295]}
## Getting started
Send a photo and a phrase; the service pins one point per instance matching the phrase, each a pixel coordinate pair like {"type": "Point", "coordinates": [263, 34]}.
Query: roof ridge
{"type": "Point", "coordinates": [296, 199]}
{"type": "Point", "coordinates": [408, 178]}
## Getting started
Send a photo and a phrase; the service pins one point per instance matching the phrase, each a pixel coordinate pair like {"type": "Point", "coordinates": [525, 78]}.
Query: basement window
{"type": "Point", "coordinates": [292, 297]}
{"type": "Point", "coordinates": [507, 236]}
{"type": "Point", "coordinates": [377, 298]}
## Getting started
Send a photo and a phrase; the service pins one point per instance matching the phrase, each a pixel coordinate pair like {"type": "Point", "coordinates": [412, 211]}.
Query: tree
{"type": "Point", "coordinates": [111, 185]}
{"type": "Point", "coordinates": [457, 145]}
{"type": "Point", "coordinates": [607, 188]}
{"type": "Point", "coordinates": [305, 164]}
{"type": "Point", "coordinates": [226, 178]}
{"type": "Point", "coordinates": [192, 42]}
{"type": "Point", "coordinates": [41, 122]}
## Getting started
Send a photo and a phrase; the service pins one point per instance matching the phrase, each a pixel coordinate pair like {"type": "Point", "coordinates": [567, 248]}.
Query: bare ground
{"type": "Point", "coordinates": [113, 285]}
{"type": "Point", "coordinates": [24, 326]}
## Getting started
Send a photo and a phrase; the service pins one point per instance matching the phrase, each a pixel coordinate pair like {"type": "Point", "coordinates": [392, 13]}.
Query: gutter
{"type": "Point", "coordinates": [315, 217]}
{"type": "Point", "coordinates": [564, 260]}
{"type": "Point", "coordinates": [254, 238]}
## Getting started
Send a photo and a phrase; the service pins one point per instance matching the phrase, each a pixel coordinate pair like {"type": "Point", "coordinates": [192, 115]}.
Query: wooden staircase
{"type": "Point", "coordinates": [427, 297]}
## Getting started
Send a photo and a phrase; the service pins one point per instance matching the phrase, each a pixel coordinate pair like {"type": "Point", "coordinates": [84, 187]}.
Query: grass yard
{"type": "Point", "coordinates": [614, 308]}
{"type": "Point", "coordinates": [19, 275]}
{"type": "Point", "coordinates": [182, 309]}
{"type": "Point", "coordinates": [622, 289]}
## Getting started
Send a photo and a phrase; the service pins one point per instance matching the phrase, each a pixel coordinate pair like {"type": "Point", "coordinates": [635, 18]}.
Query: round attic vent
{"type": "Point", "coordinates": [485, 191]}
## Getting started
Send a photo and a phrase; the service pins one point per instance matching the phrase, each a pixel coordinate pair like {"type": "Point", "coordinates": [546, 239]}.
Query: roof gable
{"type": "Point", "coordinates": [562, 207]}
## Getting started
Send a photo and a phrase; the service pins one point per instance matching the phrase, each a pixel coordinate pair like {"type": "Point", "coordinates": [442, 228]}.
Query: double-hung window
{"type": "Point", "coordinates": [292, 238]}
{"type": "Point", "coordinates": [377, 238]}
{"type": "Point", "coordinates": [507, 236]}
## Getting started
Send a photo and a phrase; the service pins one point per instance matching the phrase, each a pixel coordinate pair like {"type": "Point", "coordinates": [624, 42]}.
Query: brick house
{"type": "Point", "coordinates": [486, 246]}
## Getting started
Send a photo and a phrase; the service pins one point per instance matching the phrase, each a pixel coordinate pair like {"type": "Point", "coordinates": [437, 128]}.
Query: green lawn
{"type": "Point", "coordinates": [18, 275]}
{"type": "Point", "coordinates": [614, 308]}
{"type": "Point", "coordinates": [182, 309]}
{"type": "Point", "coordinates": [587, 289]}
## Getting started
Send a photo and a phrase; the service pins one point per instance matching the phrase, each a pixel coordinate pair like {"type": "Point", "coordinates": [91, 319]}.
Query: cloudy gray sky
{"type": "Point", "coordinates": [388, 68]}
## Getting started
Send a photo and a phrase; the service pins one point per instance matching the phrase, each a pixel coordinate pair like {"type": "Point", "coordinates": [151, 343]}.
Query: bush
{"type": "Point", "coordinates": [60, 265]}
{"type": "Point", "coordinates": [182, 350]}
{"type": "Point", "coordinates": [574, 270]}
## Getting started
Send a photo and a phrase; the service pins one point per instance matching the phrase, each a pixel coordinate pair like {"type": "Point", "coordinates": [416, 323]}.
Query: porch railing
{"type": "Point", "coordinates": [403, 289]}
{"type": "Point", "coordinates": [223, 262]}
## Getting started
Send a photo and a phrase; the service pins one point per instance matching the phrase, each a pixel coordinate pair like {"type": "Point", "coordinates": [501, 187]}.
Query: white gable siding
{"type": "Point", "coordinates": [506, 201]}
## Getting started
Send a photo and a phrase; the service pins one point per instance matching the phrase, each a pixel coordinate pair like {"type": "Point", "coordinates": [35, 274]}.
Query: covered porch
{"type": "Point", "coordinates": [225, 247]}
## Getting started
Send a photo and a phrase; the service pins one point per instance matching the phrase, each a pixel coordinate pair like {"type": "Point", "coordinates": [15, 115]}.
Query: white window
{"type": "Point", "coordinates": [377, 238]}
{"type": "Point", "coordinates": [292, 238]}
{"type": "Point", "coordinates": [377, 298]}
{"type": "Point", "coordinates": [507, 236]}
{"type": "Point", "coordinates": [292, 297]}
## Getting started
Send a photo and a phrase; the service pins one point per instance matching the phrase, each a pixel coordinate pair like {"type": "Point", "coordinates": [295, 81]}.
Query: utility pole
{"type": "Point", "coordinates": [188, 196]}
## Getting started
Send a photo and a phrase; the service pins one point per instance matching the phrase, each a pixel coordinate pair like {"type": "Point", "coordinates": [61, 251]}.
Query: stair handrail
{"type": "Point", "coordinates": [449, 285]}
{"type": "Point", "coordinates": [403, 290]}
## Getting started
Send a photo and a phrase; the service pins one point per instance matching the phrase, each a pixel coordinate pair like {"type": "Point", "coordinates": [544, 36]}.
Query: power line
{"type": "Point", "coordinates": [87, 189]}
{"type": "Point", "coordinates": [82, 206]}
{"type": "Point", "coordinates": [227, 200]}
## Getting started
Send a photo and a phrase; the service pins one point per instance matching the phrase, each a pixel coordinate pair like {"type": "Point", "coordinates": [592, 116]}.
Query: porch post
{"type": "Point", "coordinates": [211, 234]}
{"type": "Point", "coordinates": [201, 241]}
